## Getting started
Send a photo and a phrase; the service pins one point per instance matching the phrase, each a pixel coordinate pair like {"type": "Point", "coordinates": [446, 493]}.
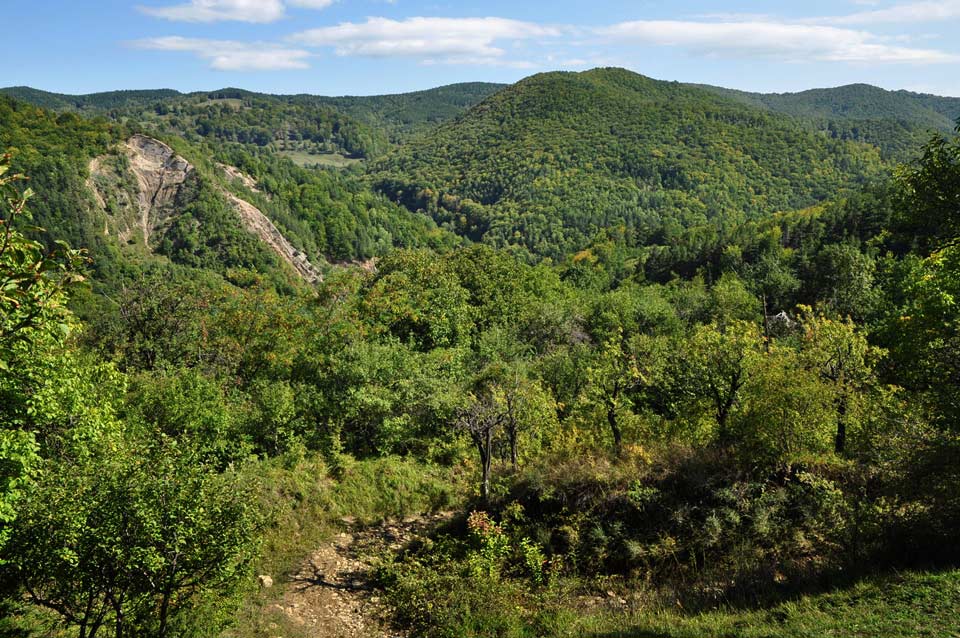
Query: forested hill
{"type": "Point", "coordinates": [406, 112]}
{"type": "Point", "coordinates": [98, 186]}
{"type": "Point", "coordinates": [546, 165]}
{"type": "Point", "coordinates": [856, 101]}
{"type": "Point", "coordinates": [92, 101]}
{"type": "Point", "coordinates": [358, 126]}
{"type": "Point", "coordinates": [898, 122]}
{"type": "Point", "coordinates": [545, 168]}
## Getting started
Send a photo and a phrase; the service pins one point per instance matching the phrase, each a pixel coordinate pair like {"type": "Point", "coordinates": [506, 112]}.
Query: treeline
{"type": "Point", "coordinates": [361, 127]}
{"type": "Point", "coordinates": [406, 114]}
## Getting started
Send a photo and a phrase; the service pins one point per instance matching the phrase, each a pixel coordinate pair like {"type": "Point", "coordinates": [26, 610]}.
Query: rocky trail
{"type": "Point", "coordinates": [330, 594]}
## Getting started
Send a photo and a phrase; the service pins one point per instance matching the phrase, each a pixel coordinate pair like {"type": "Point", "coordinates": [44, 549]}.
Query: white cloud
{"type": "Point", "coordinates": [903, 13]}
{"type": "Point", "coordinates": [228, 55]}
{"type": "Point", "coordinates": [310, 4]}
{"type": "Point", "coordinates": [215, 10]}
{"type": "Point", "coordinates": [431, 40]}
{"type": "Point", "coordinates": [465, 60]}
{"type": "Point", "coordinates": [237, 10]}
{"type": "Point", "coordinates": [487, 41]}
{"type": "Point", "coordinates": [786, 41]}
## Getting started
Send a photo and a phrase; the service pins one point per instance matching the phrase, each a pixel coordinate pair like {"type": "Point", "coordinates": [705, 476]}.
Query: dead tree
{"type": "Point", "coordinates": [481, 420]}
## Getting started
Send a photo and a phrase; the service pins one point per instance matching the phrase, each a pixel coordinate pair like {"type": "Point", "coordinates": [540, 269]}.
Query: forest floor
{"type": "Point", "coordinates": [330, 595]}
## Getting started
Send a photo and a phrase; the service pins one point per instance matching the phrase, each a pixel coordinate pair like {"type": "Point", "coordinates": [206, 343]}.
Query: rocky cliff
{"type": "Point", "coordinates": [160, 174]}
{"type": "Point", "coordinates": [144, 188]}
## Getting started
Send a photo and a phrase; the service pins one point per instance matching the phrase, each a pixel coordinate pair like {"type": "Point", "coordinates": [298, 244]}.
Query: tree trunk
{"type": "Point", "coordinates": [486, 458]}
{"type": "Point", "coordinates": [840, 442]}
{"type": "Point", "coordinates": [615, 428]}
{"type": "Point", "coordinates": [95, 627]}
{"type": "Point", "coordinates": [513, 432]}
{"type": "Point", "coordinates": [723, 411]}
{"type": "Point", "coordinates": [86, 616]}
{"type": "Point", "coordinates": [766, 324]}
{"type": "Point", "coordinates": [724, 407]}
{"type": "Point", "coordinates": [164, 610]}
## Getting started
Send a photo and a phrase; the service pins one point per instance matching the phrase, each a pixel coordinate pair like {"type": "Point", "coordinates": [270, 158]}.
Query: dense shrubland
{"type": "Point", "coordinates": [750, 411]}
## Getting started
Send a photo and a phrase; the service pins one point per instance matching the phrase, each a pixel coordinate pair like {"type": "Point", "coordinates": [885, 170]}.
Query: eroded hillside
{"type": "Point", "coordinates": [147, 185]}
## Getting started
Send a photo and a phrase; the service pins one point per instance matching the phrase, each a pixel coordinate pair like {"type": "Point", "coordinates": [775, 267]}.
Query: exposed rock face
{"type": "Point", "coordinates": [260, 225]}
{"type": "Point", "coordinates": [161, 174]}
{"type": "Point", "coordinates": [232, 172]}
{"type": "Point", "coordinates": [95, 168]}
{"type": "Point", "coordinates": [162, 180]}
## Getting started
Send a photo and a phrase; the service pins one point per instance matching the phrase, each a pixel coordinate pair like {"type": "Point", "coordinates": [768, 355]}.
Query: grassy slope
{"type": "Point", "coordinates": [909, 604]}
{"type": "Point", "coordinates": [336, 160]}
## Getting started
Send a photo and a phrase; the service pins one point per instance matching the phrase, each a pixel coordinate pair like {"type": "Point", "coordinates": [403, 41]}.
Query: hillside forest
{"type": "Point", "coordinates": [653, 359]}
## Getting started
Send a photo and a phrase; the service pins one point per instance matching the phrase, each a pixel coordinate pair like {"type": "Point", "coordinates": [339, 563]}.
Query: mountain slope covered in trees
{"type": "Point", "coordinates": [858, 102]}
{"type": "Point", "coordinates": [88, 195]}
{"type": "Point", "coordinates": [358, 126]}
{"type": "Point", "coordinates": [726, 404]}
{"type": "Point", "coordinates": [548, 164]}
{"type": "Point", "coordinates": [898, 122]}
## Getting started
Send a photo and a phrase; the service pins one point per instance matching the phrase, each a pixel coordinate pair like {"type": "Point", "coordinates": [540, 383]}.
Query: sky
{"type": "Point", "coordinates": [365, 47]}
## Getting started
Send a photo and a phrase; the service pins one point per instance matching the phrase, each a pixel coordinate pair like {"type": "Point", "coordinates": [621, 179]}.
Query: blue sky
{"type": "Point", "coordinates": [336, 47]}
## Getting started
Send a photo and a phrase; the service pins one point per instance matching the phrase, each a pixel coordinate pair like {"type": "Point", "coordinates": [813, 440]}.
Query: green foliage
{"type": "Point", "coordinates": [206, 233]}
{"type": "Point", "coordinates": [331, 215]}
{"type": "Point", "coordinates": [900, 606]}
{"type": "Point", "coordinates": [860, 102]}
{"type": "Point", "coordinates": [920, 326]}
{"type": "Point", "coordinates": [718, 365]}
{"type": "Point", "coordinates": [55, 152]}
{"type": "Point", "coordinates": [187, 406]}
{"type": "Point", "coordinates": [44, 387]}
{"type": "Point", "coordinates": [491, 547]}
{"type": "Point", "coordinates": [33, 281]}
{"type": "Point", "coordinates": [896, 121]}
{"type": "Point", "coordinates": [356, 125]}
{"type": "Point", "coordinates": [931, 190]}
{"type": "Point", "coordinates": [548, 165]}
{"type": "Point", "coordinates": [420, 300]}
{"type": "Point", "coordinates": [787, 413]}
{"type": "Point", "coordinates": [779, 387]}
{"type": "Point", "coordinates": [132, 537]}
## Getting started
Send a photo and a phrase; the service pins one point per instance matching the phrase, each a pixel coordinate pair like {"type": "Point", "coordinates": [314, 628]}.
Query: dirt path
{"type": "Point", "coordinates": [330, 595]}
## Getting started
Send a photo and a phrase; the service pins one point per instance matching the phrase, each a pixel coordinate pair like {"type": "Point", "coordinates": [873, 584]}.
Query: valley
{"type": "Point", "coordinates": [588, 354]}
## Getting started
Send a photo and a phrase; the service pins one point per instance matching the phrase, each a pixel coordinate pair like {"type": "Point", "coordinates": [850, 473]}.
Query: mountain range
{"type": "Point", "coordinates": [545, 168]}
